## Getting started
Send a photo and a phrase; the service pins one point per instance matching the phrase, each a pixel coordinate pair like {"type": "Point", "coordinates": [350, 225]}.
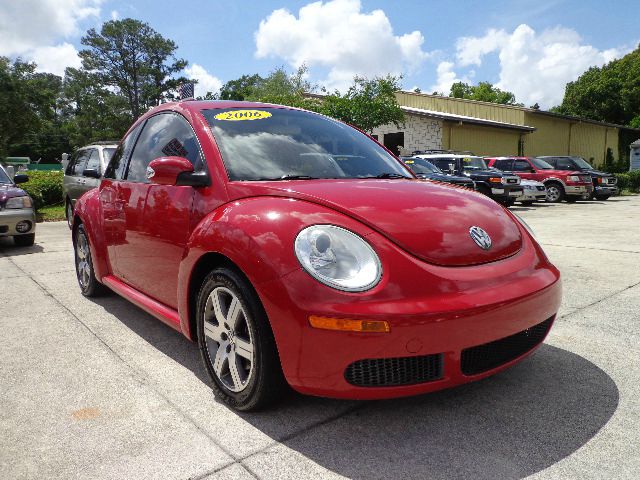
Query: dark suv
{"type": "Point", "coordinates": [604, 184]}
{"type": "Point", "coordinates": [502, 187]}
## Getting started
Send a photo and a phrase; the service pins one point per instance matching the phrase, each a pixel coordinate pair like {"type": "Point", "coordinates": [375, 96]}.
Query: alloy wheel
{"type": "Point", "coordinates": [553, 193]}
{"type": "Point", "coordinates": [83, 260]}
{"type": "Point", "coordinates": [229, 340]}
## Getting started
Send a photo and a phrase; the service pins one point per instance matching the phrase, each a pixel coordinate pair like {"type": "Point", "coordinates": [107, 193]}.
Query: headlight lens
{"type": "Point", "coordinates": [19, 202]}
{"type": "Point", "coordinates": [573, 178]}
{"type": "Point", "coordinates": [338, 258]}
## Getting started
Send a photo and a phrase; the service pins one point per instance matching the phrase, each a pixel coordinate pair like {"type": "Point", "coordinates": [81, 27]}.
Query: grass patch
{"type": "Point", "coordinates": [52, 213]}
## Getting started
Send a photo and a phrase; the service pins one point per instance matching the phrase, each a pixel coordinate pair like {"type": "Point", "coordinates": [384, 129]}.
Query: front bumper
{"type": "Point", "coordinates": [532, 196]}
{"type": "Point", "coordinates": [506, 191]}
{"type": "Point", "coordinates": [578, 190]}
{"type": "Point", "coordinates": [432, 311]}
{"type": "Point", "coordinates": [606, 190]}
{"type": "Point", "coordinates": [10, 218]}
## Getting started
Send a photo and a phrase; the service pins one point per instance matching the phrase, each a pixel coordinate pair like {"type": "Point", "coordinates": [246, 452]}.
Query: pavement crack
{"type": "Point", "coordinates": [579, 309]}
{"type": "Point", "coordinates": [590, 248]}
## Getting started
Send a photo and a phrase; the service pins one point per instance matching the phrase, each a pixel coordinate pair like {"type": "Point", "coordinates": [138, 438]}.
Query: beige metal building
{"type": "Point", "coordinates": [435, 122]}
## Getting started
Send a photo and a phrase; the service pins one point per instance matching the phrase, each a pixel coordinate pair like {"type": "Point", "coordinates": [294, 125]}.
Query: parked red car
{"type": "Point", "coordinates": [561, 184]}
{"type": "Point", "coordinates": [295, 249]}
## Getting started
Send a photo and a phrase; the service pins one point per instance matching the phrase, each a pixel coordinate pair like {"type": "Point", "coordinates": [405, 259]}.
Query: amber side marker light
{"type": "Point", "coordinates": [348, 325]}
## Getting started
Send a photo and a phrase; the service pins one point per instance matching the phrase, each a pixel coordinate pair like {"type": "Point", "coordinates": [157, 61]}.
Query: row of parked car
{"type": "Point", "coordinates": [516, 179]}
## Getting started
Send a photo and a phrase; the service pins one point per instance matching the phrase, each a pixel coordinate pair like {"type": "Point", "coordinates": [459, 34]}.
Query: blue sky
{"type": "Point", "coordinates": [529, 47]}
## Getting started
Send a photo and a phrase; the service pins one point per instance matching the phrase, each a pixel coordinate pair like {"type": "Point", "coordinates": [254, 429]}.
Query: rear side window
{"type": "Point", "coordinates": [118, 162]}
{"type": "Point", "coordinates": [163, 135]}
{"type": "Point", "coordinates": [564, 164]}
{"type": "Point", "coordinates": [93, 163]}
{"type": "Point", "coordinates": [503, 165]}
{"type": "Point", "coordinates": [80, 162]}
{"type": "Point", "coordinates": [521, 166]}
{"type": "Point", "coordinates": [443, 163]}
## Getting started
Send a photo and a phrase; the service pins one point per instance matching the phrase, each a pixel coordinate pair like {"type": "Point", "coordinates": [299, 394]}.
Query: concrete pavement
{"type": "Point", "coordinates": [99, 389]}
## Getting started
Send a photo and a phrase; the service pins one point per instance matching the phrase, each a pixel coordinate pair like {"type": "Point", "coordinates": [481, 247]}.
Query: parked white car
{"type": "Point", "coordinates": [533, 192]}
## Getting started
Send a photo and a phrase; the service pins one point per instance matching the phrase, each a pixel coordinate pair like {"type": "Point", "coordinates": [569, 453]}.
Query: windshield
{"type": "Point", "coordinates": [582, 163]}
{"type": "Point", "coordinates": [282, 144]}
{"type": "Point", "coordinates": [421, 166]}
{"type": "Point", "coordinates": [541, 164]}
{"type": "Point", "coordinates": [4, 178]}
{"type": "Point", "coordinates": [107, 153]}
{"type": "Point", "coordinates": [473, 163]}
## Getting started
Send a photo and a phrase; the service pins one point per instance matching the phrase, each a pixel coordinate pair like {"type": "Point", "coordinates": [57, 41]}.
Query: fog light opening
{"type": "Point", "coordinates": [23, 226]}
{"type": "Point", "coordinates": [349, 325]}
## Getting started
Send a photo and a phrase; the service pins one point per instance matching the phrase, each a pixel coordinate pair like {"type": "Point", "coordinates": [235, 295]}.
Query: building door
{"type": "Point", "coordinates": [393, 141]}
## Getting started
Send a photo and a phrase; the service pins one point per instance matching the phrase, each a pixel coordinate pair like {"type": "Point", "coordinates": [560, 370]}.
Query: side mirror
{"type": "Point", "coordinates": [91, 173]}
{"type": "Point", "coordinates": [170, 171]}
{"type": "Point", "coordinates": [20, 179]}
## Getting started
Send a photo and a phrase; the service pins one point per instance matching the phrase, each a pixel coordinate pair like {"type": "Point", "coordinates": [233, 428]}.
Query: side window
{"type": "Point", "coordinates": [81, 162]}
{"type": "Point", "coordinates": [164, 135]}
{"type": "Point", "coordinates": [564, 164]}
{"type": "Point", "coordinates": [94, 160]}
{"type": "Point", "coordinates": [503, 165]}
{"type": "Point", "coordinates": [118, 162]}
{"type": "Point", "coordinates": [521, 166]}
{"type": "Point", "coordinates": [72, 163]}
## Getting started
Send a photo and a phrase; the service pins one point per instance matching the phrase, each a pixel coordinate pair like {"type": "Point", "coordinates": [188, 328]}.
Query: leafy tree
{"type": "Point", "coordinates": [484, 92]}
{"type": "Point", "coordinates": [610, 93]}
{"type": "Point", "coordinates": [367, 103]}
{"type": "Point", "coordinates": [135, 59]}
{"type": "Point", "coordinates": [240, 88]}
{"type": "Point", "coordinates": [282, 88]}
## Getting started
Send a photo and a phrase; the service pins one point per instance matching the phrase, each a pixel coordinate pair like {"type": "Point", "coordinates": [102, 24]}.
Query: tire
{"type": "Point", "coordinates": [68, 211]}
{"type": "Point", "coordinates": [239, 353]}
{"type": "Point", "coordinates": [602, 197]}
{"type": "Point", "coordinates": [89, 285]}
{"type": "Point", "coordinates": [24, 240]}
{"type": "Point", "coordinates": [555, 192]}
{"type": "Point", "coordinates": [527, 203]}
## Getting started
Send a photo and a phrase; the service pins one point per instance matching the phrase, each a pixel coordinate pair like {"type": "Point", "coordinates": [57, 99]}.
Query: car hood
{"type": "Point", "coordinates": [8, 191]}
{"type": "Point", "coordinates": [428, 220]}
{"type": "Point", "coordinates": [597, 173]}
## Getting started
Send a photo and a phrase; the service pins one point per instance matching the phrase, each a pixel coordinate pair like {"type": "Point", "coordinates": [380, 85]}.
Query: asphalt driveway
{"type": "Point", "coordinates": [99, 389]}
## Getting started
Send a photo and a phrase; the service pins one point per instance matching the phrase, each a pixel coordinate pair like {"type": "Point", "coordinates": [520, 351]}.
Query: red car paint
{"type": "Point", "coordinates": [439, 291]}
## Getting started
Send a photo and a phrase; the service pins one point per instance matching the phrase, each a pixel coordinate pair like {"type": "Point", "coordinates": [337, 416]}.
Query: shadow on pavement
{"type": "Point", "coordinates": [8, 248]}
{"type": "Point", "coordinates": [511, 425]}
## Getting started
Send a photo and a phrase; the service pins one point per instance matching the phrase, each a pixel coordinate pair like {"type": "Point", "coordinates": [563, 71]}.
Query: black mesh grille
{"type": "Point", "coordinates": [484, 357]}
{"type": "Point", "coordinates": [389, 372]}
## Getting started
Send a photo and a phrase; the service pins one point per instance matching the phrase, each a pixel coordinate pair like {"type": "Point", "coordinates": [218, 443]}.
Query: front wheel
{"type": "Point", "coordinates": [555, 193]}
{"type": "Point", "coordinates": [236, 342]}
{"type": "Point", "coordinates": [69, 214]}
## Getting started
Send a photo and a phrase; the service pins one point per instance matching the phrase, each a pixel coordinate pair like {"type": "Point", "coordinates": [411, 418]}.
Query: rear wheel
{"type": "Point", "coordinates": [24, 240]}
{"type": "Point", "coordinates": [69, 213]}
{"type": "Point", "coordinates": [236, 342]}
{"type": "Point", "coordinates": [89, 285]}
{"type": "Point", "coordinates": [555, 192]}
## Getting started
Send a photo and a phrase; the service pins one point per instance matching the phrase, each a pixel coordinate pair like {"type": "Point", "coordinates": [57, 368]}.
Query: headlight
{"type": "Point", "coordinates": [19, 202]}
{"type": "Point", "coordinates": [524, 224]}
{"type": "Point", "coordinates": [573, 178]}
{"type": "Point", "coordinates": [338, 258]}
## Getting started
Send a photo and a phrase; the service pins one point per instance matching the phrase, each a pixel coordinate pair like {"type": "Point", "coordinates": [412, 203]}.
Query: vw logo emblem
{"type": "Point", "coordinates": [482, 238]}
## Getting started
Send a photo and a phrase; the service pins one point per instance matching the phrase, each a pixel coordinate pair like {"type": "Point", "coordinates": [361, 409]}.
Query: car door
{"type": "Point", "coordinates": [523, 169]}
{"type": "Point", "coordinates": [93, 163]}
{"type": "Point", "coordinates": [157, 218]}
{"type": "Point", "coordinates": [504, 164]}
{"type": "Point", "coordinates": [74, 182]}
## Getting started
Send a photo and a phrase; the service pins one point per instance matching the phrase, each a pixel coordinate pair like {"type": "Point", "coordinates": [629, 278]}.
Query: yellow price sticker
{"type": "Point", "coordinates": [240, 115]}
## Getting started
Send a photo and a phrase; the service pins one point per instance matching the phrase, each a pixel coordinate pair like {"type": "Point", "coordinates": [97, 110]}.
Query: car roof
{"type": "Point", "coordinates": [445, 155]}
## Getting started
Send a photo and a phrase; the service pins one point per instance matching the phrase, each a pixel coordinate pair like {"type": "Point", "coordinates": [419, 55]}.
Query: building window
{"type": "Point", "coordinates": [393, 141]}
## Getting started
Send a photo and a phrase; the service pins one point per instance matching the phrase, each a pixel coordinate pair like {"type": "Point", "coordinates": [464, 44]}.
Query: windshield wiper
{"type": "Point", "coordinates": [388, 175]}
{"type": "Point", "coordinates": [287, 177]}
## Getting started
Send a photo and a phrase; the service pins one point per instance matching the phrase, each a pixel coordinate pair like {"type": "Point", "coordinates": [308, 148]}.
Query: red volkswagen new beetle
{"type": "Point", "coordinates": [295, 249]}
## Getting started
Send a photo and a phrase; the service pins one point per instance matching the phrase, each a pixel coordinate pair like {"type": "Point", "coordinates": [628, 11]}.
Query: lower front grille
{"type": "Point", "coordinates": [541, 188]}
{"type": "Point", "coordinates": [392, 372]}
{"type": "Point", "coordinates": [4, 229]}
{"type": "Point", "coordinates": [488, 356]}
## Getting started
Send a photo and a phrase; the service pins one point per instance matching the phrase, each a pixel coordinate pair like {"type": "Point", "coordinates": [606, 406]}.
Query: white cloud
{"type": "Point", "coordinates": [32, 29]}
{"type": "Point", "coordinates": [337, 35]}
{"type": "Point", "coordinates": [206, 81]}
{"type": "Point", "coordinates": [447, 77]}
{"type": "Point", "coordinates": [55, 59]}
{"type": "Point", "coordinates": [535, 66]}
{"type": "Point", "coordinates": [114, 15]}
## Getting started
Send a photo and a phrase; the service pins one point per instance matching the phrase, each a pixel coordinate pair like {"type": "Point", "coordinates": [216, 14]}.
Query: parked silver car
{"type": "Point", "coordinates": [17, 215]}
{"type": "Point", "coordinates": [84, 172]}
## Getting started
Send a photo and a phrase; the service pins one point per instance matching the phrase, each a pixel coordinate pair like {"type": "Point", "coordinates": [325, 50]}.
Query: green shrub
{"type": "Point", "coordinates": [629, 181]}
{"type": "Point", "coordinates": [44, 187]}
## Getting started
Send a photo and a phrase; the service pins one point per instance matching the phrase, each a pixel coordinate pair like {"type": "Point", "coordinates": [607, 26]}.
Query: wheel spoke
{"type": "Point", "coordinates": [234, 312]}
{"type": "Point", "coordinates": [234, 371]}
{"type": "Point", "coordinates": [212, 331]}
{"type": "Point", "coordinates": [244, 348]}
{"type": "Point", "coordinates": [218, 363]}
{"type": "Point", "coordinates": [217, 306]}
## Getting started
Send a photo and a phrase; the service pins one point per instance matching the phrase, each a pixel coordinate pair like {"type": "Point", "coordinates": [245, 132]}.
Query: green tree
{"type": "Point", "coordinates": [135, 59]}
{"type": "Point", "coordinates": [241, 88]}
{"type": "Point", "coordinates": [610, 93]}
{"type": "Point", "coordinates": [282, 88]}
{"type": "Point", "coordinates": [367, 104]}
{"type": "Point", "coordinates": [484, 92]}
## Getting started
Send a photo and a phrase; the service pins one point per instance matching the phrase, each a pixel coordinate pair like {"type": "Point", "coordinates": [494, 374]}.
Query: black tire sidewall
{"type": "Point", "coordinates": [93, 288]}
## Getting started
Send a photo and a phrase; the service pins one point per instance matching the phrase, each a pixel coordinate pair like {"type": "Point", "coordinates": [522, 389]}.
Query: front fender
{"type": "Point", "coordinates": [88, 210]}
{"type": "Point", "coordinates": [256, 234]}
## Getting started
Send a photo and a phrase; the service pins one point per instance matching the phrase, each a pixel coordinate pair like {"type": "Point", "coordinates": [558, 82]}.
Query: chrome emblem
{"type": "Point", "coordinates": [482, 238]}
